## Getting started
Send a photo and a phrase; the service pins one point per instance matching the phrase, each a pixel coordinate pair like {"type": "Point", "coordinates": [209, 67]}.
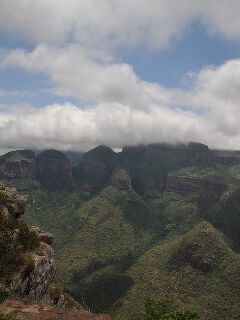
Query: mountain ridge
{"type": "Point", "coordinates": [112, 209]}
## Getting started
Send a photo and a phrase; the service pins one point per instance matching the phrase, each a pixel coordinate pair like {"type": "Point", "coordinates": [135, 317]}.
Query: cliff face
{"type": "Point", "coordinates": [95, 169]}
{"type": "Point", "coordinates": [203, 187]}
{"type": "Point", "coordinates": [27, 263]}
{"type": "Point", "coordinates": [121, 180]}
{"type": "Point", "coordinates": [18, 164]}
{"type": "Point", "coordinates": [192, 153]}
{"type": "Point", "coordinates": [54, 169]}
{"type": "Point", "coordinates": [149, 165]}
{"type": "Point", "coordinates": [226, 157]}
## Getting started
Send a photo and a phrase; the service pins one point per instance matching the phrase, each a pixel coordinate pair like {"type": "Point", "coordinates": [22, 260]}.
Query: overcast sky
{"type": "Point", "coordinates": [78, 73]}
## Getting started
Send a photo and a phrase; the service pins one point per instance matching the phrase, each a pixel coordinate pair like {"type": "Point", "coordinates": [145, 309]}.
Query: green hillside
{"type": "Point", "coordinates": [197, 269]}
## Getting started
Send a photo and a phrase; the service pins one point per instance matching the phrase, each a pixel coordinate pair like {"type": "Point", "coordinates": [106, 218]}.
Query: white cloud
{"type": "Point", "coordinates": [105, 23]}
{"type": "Point", "coordinates": [68, 127]}
{"type": "Point", "coordinates": [75, 73]}
{"type": "Point", "coordinates": [127, 109]}
{"type": "Point", "coordinates": [74, 47]}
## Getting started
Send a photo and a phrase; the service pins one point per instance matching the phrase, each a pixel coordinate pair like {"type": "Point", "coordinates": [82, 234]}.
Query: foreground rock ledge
{"type": "Point", "coordinates": [28, 309]}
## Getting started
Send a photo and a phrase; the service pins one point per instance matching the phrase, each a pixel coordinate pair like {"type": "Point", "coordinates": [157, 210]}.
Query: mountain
{"type": "Point", "coordinates": [198, 268]}
{"type": "Point", "coordinates": [160, 220]}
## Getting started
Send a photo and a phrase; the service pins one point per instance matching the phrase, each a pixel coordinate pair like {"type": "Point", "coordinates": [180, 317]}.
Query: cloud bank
{"type": "Point", "coordinates": [114, 22]}
{"type": "Point", "coordinates": [74, 46]}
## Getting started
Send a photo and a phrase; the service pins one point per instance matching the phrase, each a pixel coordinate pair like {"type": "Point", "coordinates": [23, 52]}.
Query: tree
{"type": "Point", "coordinates": [162, 310]}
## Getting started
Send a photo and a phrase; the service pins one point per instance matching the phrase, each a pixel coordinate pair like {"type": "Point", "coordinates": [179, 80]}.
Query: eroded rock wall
{"type": "Point", "coordinates": [36, 269]}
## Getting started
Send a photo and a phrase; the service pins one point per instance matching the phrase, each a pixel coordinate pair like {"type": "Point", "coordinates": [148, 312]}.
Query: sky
{"type": "Point", "coordinates": [78, 73]}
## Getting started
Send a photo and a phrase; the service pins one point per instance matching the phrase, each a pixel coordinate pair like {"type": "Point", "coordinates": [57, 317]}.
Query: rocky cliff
{"type": "Point", "coordinates": [147, 165]}
{"type": "Point", "coordinates": [54, 169]}
{"type": "Point", "coordinates": [226, 157]}
{"type": "Point", "coordinates": [27, 261]}
{"type": "Point", "coordinates": [202, 187]}
{"type": "Point", "coordinates": [51, 168]}
{"type": "Point", "coordinates": [192, 153]}
{"type": "Point", "coordinates": [18, 164]}
{"type": "Point", "coordinates": [95, 169]}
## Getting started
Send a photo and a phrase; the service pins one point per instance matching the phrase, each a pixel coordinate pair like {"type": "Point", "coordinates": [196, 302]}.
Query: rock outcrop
{"type": "Point", "coordinates": [54, 169]}
{"type": "Point", "coordinates": [205, 188]}
{"type": "Point", "coordinates": [43, 235]}
{"type": "Point", "coordinates": [188, 154]}
{"type": "Point", "coordinates": [12, 204]}
{"type": "Point", "coordinates": [148, 165]}
{"type": "Point", "coordinates": [32, 270]}
{"type": "Point", "coordinates": [226, 157]}
{"type": "Point", "coordinates": [27, 309]}
{"type": "Point", "coordinates": [121, 180]}
{"type": "Point", "coordinates": [18, 164]}
{"type": "Point", "coordinates": [43, 274]}
{"type": "Point", "coordinates": [95, 169]}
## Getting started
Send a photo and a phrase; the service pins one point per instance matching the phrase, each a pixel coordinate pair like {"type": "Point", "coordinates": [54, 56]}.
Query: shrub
{"type": "Point", "coordinates": [55, 291]}
{"type": "Point", "coordinates": [3, 295]}
{"type": "Point", "coordinates": [27, 238]}
{"type": "Point", "coordinates": [10, 250]}
{"type": "Point", "coordinates": [162, 311]}
{"type": "Point", "coordinates": [70, 302]}
{"type": "Point", "coordinates": [3, 197]}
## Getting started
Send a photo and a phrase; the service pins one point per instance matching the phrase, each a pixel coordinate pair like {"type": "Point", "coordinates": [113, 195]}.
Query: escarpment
{"type": "Point", "coordinates": [187, 185]}
{"type": "Point", "coordinates": [192, 153]}
{"type": "Point", "coordinates": [53, 169]}
{"type": "Point", "coordinates": [26, 260]}
{"type": "Point", "coordinates": [149, 167]}
{"type": "Point", "coordinates": [95, 169]}
{"type": "Point", "coordinates": [18, 164]}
